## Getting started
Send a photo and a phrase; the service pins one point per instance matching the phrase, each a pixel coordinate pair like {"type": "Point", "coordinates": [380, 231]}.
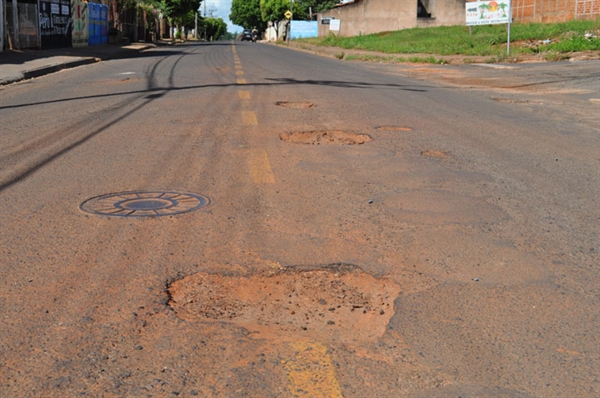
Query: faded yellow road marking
{"type": "Point", "coordinates": [244, 94]}
{"type": "Point", "coordinates": [239, 72]}
{"type": "Point", "coordinates": [260, 167]}
{"type": "Point", "coordinates": [241, 81]}
{"type": "Point", "coordinates": [310, 372]}
{"type": "Point", "coordinates": [249, 118]}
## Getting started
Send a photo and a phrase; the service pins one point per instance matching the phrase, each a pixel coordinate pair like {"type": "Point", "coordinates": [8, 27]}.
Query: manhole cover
{"type": "Point", "coordinates": [144, 203]}
{"type": "Point", "coordinates": [336, 137]}
{"type": "Point", "coordinates": [295, 105]}
{"type": "Point", "coordinates": [393, 128]}
{"type": "Point", "coordinates": [436, 154]}
{"type": "Point", "coordinates": [326, 304]}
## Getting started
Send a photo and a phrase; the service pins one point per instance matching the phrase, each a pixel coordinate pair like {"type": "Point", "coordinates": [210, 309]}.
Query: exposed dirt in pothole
{"type": "Point", "coordinates": [393, 128]}
{"type": "Point", "coordinates": [295, 105]}
{"type": "Point", "coordinates": [436, 154]}
{"type": "Point", "coordinates": [335, 137]}
{"type": "Point", "coordinates": [333, 304]}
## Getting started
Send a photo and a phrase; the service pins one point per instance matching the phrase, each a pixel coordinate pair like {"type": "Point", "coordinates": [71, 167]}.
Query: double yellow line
{"type": "Point", "coordinates": [259, 163]}
{"type": "Point", "coordinates": [310, 370]}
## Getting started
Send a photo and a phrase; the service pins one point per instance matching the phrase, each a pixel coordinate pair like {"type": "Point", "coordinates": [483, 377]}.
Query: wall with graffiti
{"type": "Point", "coordinates": [55, 23]}
{"type": "Point", "coordinates": [79, 13]}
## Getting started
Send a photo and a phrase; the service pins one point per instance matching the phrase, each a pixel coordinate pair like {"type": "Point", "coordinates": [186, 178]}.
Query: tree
{"type": "Point", "coordinates": [274, 11]}
{"type": "Point", "coordinates": [247, 13]}
{"type": "Point", "coordinates": [182, 11]}
{"type": "Point", "coordinates": [215, 28]}
{"type": "Point", "coordinates": [302, 7]}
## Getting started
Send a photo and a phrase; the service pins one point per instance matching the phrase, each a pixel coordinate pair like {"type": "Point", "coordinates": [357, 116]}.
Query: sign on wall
{"type": "Point", "coordinates": [302, 29]}
{"type": "Point", "coordinates": [334, 25]}
{"type": "Point", "coordinates": [488, 12]}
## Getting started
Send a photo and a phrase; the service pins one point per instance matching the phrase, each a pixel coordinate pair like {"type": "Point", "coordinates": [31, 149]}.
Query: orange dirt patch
{"type": "Point", "coordinates": [336, 137]}
{"type": "Point", "coordinates": [393, 128]}
{"type": "Point", "coordinates": [337, 304]}
{"type": "Point", "coordinates": [437, 154]}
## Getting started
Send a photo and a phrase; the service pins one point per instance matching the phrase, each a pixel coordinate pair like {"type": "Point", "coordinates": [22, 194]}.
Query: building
{"type": "Point", "coordinates": [373, 16]}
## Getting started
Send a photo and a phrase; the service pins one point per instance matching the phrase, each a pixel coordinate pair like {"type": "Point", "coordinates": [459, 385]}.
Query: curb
{"type": "Point", "coordinates": [55, 68]}
{"type": "Point", "coordinates": [81, 61]}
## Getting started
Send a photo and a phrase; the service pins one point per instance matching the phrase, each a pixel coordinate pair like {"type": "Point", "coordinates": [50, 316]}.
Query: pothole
{"type": "Point", "coordinates": [144, 203]}
{"type": "Point", "coordinates": [436, 154]}
{"type": "Point", "coordinates": [393, 128]}
{"type": "Point", "coordinates": [338, 303]}
{"type": "Point", "coordinates": [335, 137]}
{"type": "Point", "coordinates": [295, 105]}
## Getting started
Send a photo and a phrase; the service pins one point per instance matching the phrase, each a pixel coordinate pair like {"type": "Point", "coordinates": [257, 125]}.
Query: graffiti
{"type": "Point", "coordinates": [79, 13]}
{"type": "Point", "coordinates": [55, 23]}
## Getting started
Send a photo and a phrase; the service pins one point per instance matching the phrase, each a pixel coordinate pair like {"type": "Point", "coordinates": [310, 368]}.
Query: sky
{"type": "Point", "coordinates": [220, 9]}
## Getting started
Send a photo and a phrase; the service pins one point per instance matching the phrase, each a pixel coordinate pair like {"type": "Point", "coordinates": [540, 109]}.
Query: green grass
{"type": "Point", "coordinates": [389, 58]}
{"type": "Point", "coordinates": [487, 40]}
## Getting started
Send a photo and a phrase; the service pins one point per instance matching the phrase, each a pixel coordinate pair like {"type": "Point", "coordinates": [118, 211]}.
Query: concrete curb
{"type": "Point", "coordinates": [55, 65]}
{"type": "Point", "coordinates": [45, 70]}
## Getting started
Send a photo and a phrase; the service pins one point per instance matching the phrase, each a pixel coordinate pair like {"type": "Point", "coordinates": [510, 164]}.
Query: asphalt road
{"type": "Point", "coordinates": [244, 220]}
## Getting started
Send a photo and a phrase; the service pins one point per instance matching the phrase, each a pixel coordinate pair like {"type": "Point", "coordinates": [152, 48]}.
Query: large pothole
{"type": "Point", "coordinates": [294, 105]}
{"type": "Point", "coordinates": [336, 137]}
{"type": "Point", "coordinates": [333, 304]}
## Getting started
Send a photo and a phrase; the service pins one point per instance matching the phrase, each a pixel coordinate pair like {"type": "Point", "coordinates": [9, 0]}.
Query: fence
{"type": "Point", "coordinates": [554, 10]}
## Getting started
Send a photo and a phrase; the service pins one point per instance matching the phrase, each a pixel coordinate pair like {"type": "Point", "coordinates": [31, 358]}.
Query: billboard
{"type": "Point", "coordinates": [488, 12]}
{"type": "Point", "coordinates": [302, 29]}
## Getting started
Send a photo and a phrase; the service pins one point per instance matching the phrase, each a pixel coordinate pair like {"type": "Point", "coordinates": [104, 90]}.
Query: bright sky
{"type": "Point", "coordinates": [220, 9]}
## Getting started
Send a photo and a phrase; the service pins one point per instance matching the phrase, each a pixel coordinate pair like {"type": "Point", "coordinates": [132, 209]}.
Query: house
{"type": "Point", "coordinates": [373, 16]}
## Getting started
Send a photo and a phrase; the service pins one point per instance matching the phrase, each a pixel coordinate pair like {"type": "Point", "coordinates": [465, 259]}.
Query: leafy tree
{"type": "Point", "coordinates": [215, 28]}
{"type": "Point", "coordinates": [302, 7]}
{"type": "Point", "coordinates": [247, 13]}
{"type": "Point", "coordinates": [274, 10]}
{"type": "Point", "coordinates": [182, 11]}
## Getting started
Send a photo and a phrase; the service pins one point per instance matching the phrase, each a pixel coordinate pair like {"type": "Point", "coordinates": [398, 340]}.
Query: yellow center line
{"type": "Point", "coordinates": [260, 167]}
{"type": "Point", "coordinates": [249, 118]}
{"type": "Point", "coordinates": [244, 95]}
{"type": "Point", "coordinates": [241, 81]}
{"type": "Point", "coordinates": [311, 372]}
{"type": "Point", "coordinates": [239, 72]}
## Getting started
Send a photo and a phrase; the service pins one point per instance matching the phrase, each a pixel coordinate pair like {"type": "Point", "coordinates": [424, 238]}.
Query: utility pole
{"type": "Point", "coordinates": [289, 27]}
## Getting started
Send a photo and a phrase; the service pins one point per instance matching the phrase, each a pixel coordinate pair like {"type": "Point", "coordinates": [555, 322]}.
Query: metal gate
{"type": "Point", "coordinates": [28, 24]}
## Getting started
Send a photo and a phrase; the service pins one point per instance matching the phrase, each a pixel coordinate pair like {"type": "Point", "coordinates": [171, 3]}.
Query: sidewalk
{"type": "Point", "coordinates": [26, 64]}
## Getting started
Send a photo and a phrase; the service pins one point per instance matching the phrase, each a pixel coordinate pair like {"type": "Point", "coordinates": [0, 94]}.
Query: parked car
{"type": "Point", "coordinates": [247, 35]}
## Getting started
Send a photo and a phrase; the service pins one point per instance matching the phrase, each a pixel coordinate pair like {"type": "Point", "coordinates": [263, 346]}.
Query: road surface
{"type": "Point", "coordinates": [244, 220]}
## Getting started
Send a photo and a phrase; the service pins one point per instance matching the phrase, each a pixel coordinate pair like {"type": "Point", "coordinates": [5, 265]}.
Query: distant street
{"type": "Point", "coordinates": [245, 220]}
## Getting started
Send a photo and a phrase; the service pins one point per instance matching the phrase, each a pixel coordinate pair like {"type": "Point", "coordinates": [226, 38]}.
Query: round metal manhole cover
{"type": "Point", "coordinates": [144, 203]}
